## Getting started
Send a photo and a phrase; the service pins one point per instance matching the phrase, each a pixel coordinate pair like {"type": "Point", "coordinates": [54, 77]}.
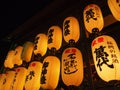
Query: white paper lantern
{"type": "Point", "coordinates": [40, 44]}
{"type": "Point", "coordinates": [27, 51]}
{"type": "Point", "coordinates": [50, 73]}
{"type": "Point", "coordinates": [71, 29]}
{"type": "Point", "coordinates": [106, 56]}
{"type": "Point", "coordinates": [93, 17]}
{"type": "Point", "coordinates": [33, 76]}
{"type": "Point", "coordinates": [114, 6]}
{"type": "Point", "coordinates": [72, 67]}
{"type": "Point", "coordinates": [54, 37]}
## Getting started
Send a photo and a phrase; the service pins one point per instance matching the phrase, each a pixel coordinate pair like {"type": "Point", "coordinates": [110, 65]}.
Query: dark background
{"type": "Point", "coordinates": [16, 12]}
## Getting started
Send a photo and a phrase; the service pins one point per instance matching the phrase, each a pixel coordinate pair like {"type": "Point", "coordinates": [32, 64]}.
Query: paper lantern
{"type": "Point", "coordinates": [40, 44]}
{"type": "Point", "coordinates": [114, 6]}
{"type": "Point", "coordinates": [54, 37]}
{"type": "Point", "coordinates": [19, 78]}
{"type": "Point", "coordinates": [50, 72]}
{"type": "Point", "coordinates": [2, 80]}
{"type": "Point", "coordinates": [17, 56]}
{"type": "Point", "coordinates": [71, 29]}
{"type": "Point", "coordinates": [93, 17]}
{"type": "Point", "coordinates": [27, 51]}
{"type": "Point", "coordinates": [8, 63]}
{"type": "Point", "coordinates": [9, 78]}
{"type": "Point", "coordinates": [106, 56]}
{"type": "Point", "coordinates": [33, 76]}
{"type": "Point", "coordinates": [72, 67]}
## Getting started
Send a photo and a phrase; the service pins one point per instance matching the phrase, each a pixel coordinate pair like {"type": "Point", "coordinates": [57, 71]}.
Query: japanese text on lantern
{"type": "Point", "coordinates": [36, 42]}
{"type": "Point", "coordinates": [69, 62]}
{"type": "Point", "coordinates": [90, 15]}
{"type": "Point", "coordinates": [99, 40]}
{"type": "Point", "coordinates": [102, 57]}
{"type": "Point", "coordinates": [30, 75]}
{"type": "Point", "coordinates": [112, 52]}
{"type": "Point", "coordinates": [50, 35]}
{"type": "Point", "coordinates": [14, 80]}
{"type": "Point", "coordinates": [105, 54]}
{"type": "Point", "coordinates": [44, 72]}
{"type": "Point", "coordinates": [118, 1]}
{"type": "Point", "coordinates": [4, 80]}
{"type": "Point", "coordinates": [66, 26]}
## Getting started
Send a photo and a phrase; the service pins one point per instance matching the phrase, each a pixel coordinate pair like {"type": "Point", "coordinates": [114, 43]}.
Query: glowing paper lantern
{"type": "Point", "coordinates": [40, 44]}
{"type": "Point", "coordinates": [17, 57]}
{"type": "Point", "coordinates": [71, 29]}
{"type": "Point", "coordinates": [27, 51]}
{"type": "Point", "coordinates": [93, 17]}
{"type": "Point", "coordinates": [2, 80]}
{"type": "Point", "coordinates": [72, 67]}
{"type": "Point", "coordinates": [114, 6]}
{"type": "Point", "coordinates": [19, 78]}
{"type": "Point", "coordinates": [106, 57]}
{"type": "Point", "coordinates": [8, 63]}
{"type": "Point", "coordinates": [50, 72]}
{"type": "Point", "coordinates": [33, 76]}
{"type": "Point", "coordinates": [54, 37]}
{"type": "Point", "coordinates": [9, 78]}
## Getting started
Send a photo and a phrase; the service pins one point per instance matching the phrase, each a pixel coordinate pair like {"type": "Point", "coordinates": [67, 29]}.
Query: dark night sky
{"type": "Point", "coordinates": [16, 12]}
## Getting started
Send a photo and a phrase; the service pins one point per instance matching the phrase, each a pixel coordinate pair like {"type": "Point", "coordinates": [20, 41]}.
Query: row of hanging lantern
{"type": "Point", "coordinates": [45, 72]}
{"type": "Point", "coordinates": [35, 67]}
{"type": "Point", "coordinates": [72, 61]}
{"type": "Point", "coordinates": [39, 74]}
{"type": "Point", "coordinates": [51, 63]}
{"type": "Point", "coordinates": [105, 52]}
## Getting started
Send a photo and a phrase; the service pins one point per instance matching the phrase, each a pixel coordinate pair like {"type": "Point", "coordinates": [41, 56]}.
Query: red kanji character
{"type": "Point", "coordinates": [94, 42]}
{"type": "Point", "coordinates": [67, 51]}
{"type": "Point", "coordinates": [73, 50]}
{"type": "Point", "coordinates": [18, 70]}
{"type": "Point", "coordinates": [33, 64]}
{"type": "Point", "coordinates": [101, 39]}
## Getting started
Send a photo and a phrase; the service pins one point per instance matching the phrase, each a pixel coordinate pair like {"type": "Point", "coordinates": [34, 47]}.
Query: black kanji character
{"type": "Point", "coordinates": [101, 57]}
{"type": "Point", "coordinates": [70, 64]}
{"type": "Point", "coordinates": [89, 15]}
{"type": "Point", "coordinates": [66, 26]}
{"type": "Point", "coordinates": [50, 34]}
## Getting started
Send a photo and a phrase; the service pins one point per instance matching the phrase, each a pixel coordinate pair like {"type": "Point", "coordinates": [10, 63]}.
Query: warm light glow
{"type": "Point", "coordinates": [106, 56]}
{"type": "Point", "coordinates": [33, 76]}
{"type": "Point", "coordinates": [72, 67]}
{"type": "Point", "coordinates": [50, 73]}
{"type": "Point", "coordinates": [54, 37]}
{"type": "Point", "coordinates": [9, 78]}
{"type": "Point", "coordinates": [2, 80]}
{"type": "Point", "coordinates": [27, 51]}
{"type": "Point", "coordinates": [40, 44]}
{"type": "Point", "coordinates": [8, 63]}
{"type": "Point", "coordinates": [114, 6]}
{"type": "Point", "coordinates": [17, 57]}
{"type": "Point", "coordinates": [19, 78]}
{"type": "Point", "coordinates": [71, 29]}
{"type": "Point", "coordinates": [93, 17]}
